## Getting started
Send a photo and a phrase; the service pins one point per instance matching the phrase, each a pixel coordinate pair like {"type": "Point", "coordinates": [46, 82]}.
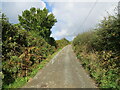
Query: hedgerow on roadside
{"type": "Point", "coordinates": [23, 48]}
{"type": "Point", "coordinates": [61, 43]}
{"type": "Point", "coordinates": [99, 52]}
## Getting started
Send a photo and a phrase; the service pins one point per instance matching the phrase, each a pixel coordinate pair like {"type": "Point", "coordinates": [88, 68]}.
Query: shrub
{"type": "Point", "coordinates": [22, 51]}
{"type": "Point", "coordinates": [61, 43]}
{"type": "Point", "coordinates": [99, 52]}
{"type": "Point", "coordinates": [108, 34]}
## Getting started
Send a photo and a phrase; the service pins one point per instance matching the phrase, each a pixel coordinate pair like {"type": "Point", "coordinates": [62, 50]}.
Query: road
{"type": "Point", "coordinates": [63, 71]}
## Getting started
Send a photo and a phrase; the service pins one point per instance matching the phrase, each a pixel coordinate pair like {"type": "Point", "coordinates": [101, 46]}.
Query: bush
{"type": "Point", "coordinates": [61, 43]}
{"type": "Point", "coordinates": [99, 52]}
{"type": "Point", "coordinates": [108, 34]}
{"type": "Point", "coordinates": [22, 51]}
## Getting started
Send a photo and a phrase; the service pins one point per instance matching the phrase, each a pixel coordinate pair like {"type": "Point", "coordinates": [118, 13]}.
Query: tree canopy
{"type": "Point", "coordinates": [38, 20]}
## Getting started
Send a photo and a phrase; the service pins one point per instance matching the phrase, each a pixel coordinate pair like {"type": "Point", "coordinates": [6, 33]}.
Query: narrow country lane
{"type": "Point", "coordinates": [63, 71]}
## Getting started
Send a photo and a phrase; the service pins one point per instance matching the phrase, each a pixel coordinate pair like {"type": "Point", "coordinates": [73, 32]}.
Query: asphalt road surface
{"type": "Point", "coordinates": [63, 71]}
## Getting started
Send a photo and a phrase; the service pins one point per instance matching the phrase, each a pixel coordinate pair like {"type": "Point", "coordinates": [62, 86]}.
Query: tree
{"type": "Point", "coordinates": [38, 20]}
{"type": "Point", "coordinates": [108, 34]}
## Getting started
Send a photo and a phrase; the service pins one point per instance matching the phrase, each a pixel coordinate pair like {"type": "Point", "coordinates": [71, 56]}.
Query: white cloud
{"type": "Point", "coordinates": [62, 33]}
{"type": "Point", "coordinates": [70, 16]}
{"type": "Point", "coordinates": [13, 9]}
{"type": "Point", "coordinates": [20, 0]}
{"type": "Point", "coordinates": [81, 0]}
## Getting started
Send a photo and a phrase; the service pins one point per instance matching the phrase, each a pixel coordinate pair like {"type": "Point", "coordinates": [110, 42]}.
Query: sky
{"type": "Point", "coordinates": [73, 16]}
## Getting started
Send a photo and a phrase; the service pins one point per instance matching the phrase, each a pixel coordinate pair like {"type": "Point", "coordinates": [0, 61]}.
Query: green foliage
{"type": "Point", "coordinates": [26, 46]}
{"type": "Point", "coordinates": [22, 51]}
{"type": "Point", "coordinates": [20, 81]}
{"type": "Point", "coordinates": [85, 39]}
{"type": "Point", "coordinates": [99, 52]}
{"type": "Point", "coordinates": [40, 21]}
{"type": "Point", "coordinates": [108, 34]}
{"type": "Point", "coordinates": [61, 43]}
